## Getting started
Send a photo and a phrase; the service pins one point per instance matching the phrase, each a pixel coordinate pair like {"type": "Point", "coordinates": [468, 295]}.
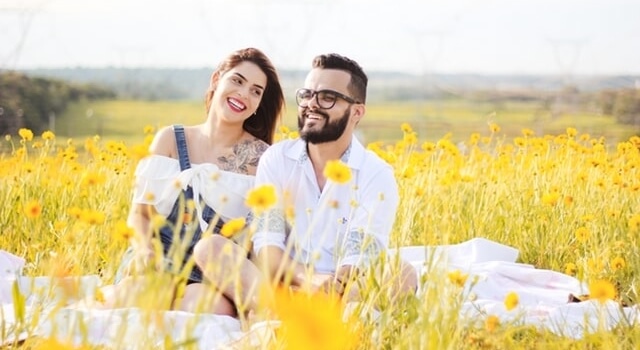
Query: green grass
{"type": "Point", "coordinates": [125, 120]}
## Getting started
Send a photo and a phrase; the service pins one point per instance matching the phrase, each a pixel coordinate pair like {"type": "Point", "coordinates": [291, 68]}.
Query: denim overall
{"type": "Point", "coordinates": [168, 231]}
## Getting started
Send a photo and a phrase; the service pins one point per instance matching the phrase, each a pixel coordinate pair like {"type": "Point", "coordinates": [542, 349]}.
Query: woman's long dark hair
{"type": "Point", "coordinates": [263, 123]}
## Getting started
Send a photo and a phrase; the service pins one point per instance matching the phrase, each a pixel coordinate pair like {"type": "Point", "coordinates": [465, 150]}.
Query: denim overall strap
{"type": "Point", "coordinates": [181, 142]}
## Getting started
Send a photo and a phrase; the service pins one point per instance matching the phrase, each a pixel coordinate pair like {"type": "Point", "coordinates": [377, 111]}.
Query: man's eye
{"type": "Point", "coordinates": [236, 80]}
{"type": "Point", "coordinates": [327, 97]}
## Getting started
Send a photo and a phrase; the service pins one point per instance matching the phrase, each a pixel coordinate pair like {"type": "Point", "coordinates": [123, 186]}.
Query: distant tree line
{"type": "Point", "coordinates": [623, 104]}
{"type": "Point", "coordinates": [29, 102]}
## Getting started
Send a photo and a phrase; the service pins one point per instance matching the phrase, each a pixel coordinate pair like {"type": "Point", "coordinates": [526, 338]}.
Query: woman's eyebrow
{"type": "Point", "coordinates": [245, 79]}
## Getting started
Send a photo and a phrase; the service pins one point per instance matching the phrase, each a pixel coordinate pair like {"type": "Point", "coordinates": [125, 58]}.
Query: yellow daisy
{"type": "Point", "coordinates": [337, 171]}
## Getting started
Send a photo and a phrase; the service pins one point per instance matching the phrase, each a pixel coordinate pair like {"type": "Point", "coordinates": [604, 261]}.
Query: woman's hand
{"type": "Point", "coordinates": [144, 259]}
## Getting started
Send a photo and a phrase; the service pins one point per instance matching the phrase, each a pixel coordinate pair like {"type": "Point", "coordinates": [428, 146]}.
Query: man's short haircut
{"type": "Point", "coordinates": [358, 84]}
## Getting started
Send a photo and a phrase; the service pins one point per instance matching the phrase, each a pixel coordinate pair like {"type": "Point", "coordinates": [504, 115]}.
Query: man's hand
{"type": "Point", "coordinates": [333, 285]}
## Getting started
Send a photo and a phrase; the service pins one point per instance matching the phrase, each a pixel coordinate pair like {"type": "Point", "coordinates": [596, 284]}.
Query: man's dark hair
{"type": "Point", "coordinates": [358, 84]}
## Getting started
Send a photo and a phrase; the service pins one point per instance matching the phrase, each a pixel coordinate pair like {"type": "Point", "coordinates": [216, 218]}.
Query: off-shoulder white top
{"type": "Point", "coordinates": [159, 181]}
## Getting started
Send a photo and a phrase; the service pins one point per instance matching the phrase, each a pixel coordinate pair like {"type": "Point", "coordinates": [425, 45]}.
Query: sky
{"type": "Point", "coordinates": [415, 36]}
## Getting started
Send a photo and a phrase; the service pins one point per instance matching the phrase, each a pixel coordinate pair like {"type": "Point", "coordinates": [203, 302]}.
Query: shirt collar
{"type": "Point", "coordinates": [353, 156]}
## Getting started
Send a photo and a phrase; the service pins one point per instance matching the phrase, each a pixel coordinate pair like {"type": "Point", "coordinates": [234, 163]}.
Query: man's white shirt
{"type": "Point", "coordinates": [344, 224]}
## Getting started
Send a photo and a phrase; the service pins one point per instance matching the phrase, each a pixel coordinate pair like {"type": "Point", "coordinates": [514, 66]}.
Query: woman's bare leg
{"type": "Point", "coordinates": [199, 297]}
{"type": "Point", "coordinates": [225, 265]}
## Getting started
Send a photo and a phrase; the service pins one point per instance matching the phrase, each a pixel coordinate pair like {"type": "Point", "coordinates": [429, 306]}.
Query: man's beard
{"type": "Point", "coordinates": [331, 131]}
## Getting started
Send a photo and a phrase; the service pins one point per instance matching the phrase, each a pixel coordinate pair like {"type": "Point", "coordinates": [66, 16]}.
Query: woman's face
{"type": "Point", "coordinates": [239, 92]}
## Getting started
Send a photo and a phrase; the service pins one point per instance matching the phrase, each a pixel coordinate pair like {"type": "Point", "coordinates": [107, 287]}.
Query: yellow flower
{"type": "Point", "coordinates": [99, 296]}
{"type": "Point", "coordinates": [458, 278]}
{"type": "Point", "coordinates": [74, 212]}
{"type": "Point", "coordinates": [311, 321]}
{"type": "Point", "coordinates": [602, 290]}
{"type": "Point", "coordinates": [550, 198]}
{"type": "Point", "coordinates": [527, 132]}
{"type": "Point", "coordinates": [428, 146]}
{"type": "Point", "coordinates": [92, 179]}
{"type": "Point", "coordinates": [59, 225]}
{"type": "Point", "coordinates": [595, 265]}
{"type": "Point", "coordinates": [571, 132]}
{"type": "Point", "coordinates": [32, 209]}
{"type": "Point", "coordinates": [92, 217]}
{"type": "Point", "coordinates": [618, 263]}
{"type": "Point", "coordinates": [494, 127]}
{"type": "Point", "coordinates": [290, 213]}
{"type": "Point", "coordinates": [491, 323]}
{"type": "Point", "coordinates": [337, 171]}
{"type": "Point", "coordinates": [406, 128]}
{"type": "Point", "coordinates": [570, 269]}
{"type": "Point", "coordinates": [148, 129]}
{"type": "Point", "coordinates": [48, 135]}
{"type": "Point", "coordinates": [53, 344]}
{"type": "Point", "coordinates": [634, 223]}
{"type": "Point", "coordinates": [582, 234]}
{"type": "Point", "coordinates": [511, 301]}
{"type": "Point", "coordinates": [410, 138]}
{"type": "Point", "coordinates": [568, 200]}
{"type": "Point", "coordinates": [284, 129]}
{"type": "Point", "coordinates": [293, 135]}
{"type": "Point", "coordinates": [232, 227]}
{"type": "Point", "coordinates": [122, 231]}
{"type": "Point", "coordinates": [261, 198]}
{"type": "Point", "coordinates": [25, 134]}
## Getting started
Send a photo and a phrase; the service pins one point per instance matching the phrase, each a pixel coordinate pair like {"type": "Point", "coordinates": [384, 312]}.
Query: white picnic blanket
{"type": "Point", "coordinates": [543, 296]}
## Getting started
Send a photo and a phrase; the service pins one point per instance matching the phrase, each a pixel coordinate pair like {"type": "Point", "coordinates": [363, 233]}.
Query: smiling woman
{"type": "Point", "coordinates": [197, 178]}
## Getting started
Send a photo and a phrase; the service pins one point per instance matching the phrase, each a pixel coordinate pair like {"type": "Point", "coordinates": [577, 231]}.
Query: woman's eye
{"type": "Point", "coordinates": [257, 92]}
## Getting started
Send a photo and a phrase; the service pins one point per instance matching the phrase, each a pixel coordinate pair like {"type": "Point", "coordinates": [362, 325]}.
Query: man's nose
{"type": "Point", "coordinates": [313, 102]}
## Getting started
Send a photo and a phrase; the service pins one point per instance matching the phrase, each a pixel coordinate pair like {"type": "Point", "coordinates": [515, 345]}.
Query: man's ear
{"type": "Point", "coordinates": [357, 112]}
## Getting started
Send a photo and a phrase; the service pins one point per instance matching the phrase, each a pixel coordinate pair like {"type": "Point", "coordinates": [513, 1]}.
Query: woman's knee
{"type": "Point", "coordinates": [212, 248]}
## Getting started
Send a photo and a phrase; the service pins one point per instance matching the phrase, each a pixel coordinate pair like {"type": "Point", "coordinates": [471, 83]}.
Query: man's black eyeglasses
{"type": "Point", "coordinates": [326, 99]}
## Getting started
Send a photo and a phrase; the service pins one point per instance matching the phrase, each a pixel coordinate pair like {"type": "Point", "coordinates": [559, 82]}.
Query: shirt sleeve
{"type": "Point", "coordinates": [372, 221]}
{"type": "Point", "coordinates": [154, 184]}
{"type": "Point", "coordinates": [270, 225]}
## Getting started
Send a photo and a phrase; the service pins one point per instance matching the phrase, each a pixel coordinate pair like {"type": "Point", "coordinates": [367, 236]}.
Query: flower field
{"type": "Point", "coordinates": [568, 202]}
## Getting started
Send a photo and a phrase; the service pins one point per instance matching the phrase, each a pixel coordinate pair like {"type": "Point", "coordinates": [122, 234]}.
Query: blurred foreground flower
{"type": "Point", "coordinates": [32, 209]}
{"type": "Point", "coordinates": [458, 278]}
{"type": "Point", "coordinates": [262, 198]}
{"type": "Point", "coordinates": [53, 344]}
{"type": "Point", "coordinates": [311, 321]}
{"type": "Point", "coordinates": [337, 172]}
{"type": "Point", "coordinates": [232, 227]}
{"type": "Point", "coordinates": [511, 301]}
{"type": "Point", "coordinates": [491, 323]}
{"type": "Point", "coordinates": [602, 290]}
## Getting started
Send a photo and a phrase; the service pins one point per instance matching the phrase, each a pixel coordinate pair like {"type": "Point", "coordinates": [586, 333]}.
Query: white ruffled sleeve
{"type": "Point", "coordinates": [155, 183]}
{"type": "Point", "coordinates": [226, 192]}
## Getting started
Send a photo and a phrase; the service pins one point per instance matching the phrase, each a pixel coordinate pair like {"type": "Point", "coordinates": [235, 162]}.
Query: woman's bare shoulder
{"type": "Point", "coordinates": [164, 142]}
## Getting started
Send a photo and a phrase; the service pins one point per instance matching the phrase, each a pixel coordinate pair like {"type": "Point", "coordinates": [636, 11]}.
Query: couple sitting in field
{"type": "Point", "coordinates": [324, 231]}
